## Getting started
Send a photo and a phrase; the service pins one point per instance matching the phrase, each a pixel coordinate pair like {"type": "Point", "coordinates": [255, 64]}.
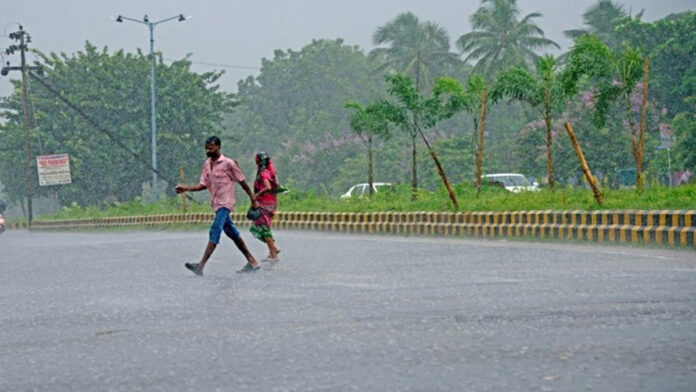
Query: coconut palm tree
{"type": "Point", "coordinates": [601, 20]}
{"type": "Point", "coordinates": [415, 111]}
{"type": "Point", "coordinates": [419, 50]}
{"type": "Point", "coordinates": [500, 39]}
{"type": "Point", "coordinates": [615, 74]}
{"type": "Point", "coordinates": [477, 90]}
{"type": "Point", "coordinates": [543, 91]}
{"type": "Point", "coordinates": [415, 48]}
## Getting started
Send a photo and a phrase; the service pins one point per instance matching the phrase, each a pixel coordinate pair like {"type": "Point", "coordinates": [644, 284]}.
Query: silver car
{"type": "Point", "coordinates": [513, 182]}
{"type": "Point", "coordinates": [364, 189]}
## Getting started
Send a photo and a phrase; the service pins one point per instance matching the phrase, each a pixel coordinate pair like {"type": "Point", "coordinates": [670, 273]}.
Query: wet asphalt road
{"type": "Point", "coordinates": [118, 311]}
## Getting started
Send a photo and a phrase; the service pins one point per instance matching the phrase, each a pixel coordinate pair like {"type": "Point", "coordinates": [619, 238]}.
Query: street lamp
{"type": "Point", "coordinates": [669, 162]}
{"type": "Point", "coordinates": [153, 120]}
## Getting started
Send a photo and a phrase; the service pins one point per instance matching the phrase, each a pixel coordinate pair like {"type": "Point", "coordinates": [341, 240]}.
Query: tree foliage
{"type": "Point", "coordinates": [416, 112]}
{"type": "Point", "coordinates": [416, 48]}
{"type": "Point", "coordinates": [294, 110]}
{"type": "Point", "coordinates": [112, 89]}
{"type": "Point", "coordinates": [601, 20]}
{"type": "Point", "coordinates": [500, 39]}
{"type": "Point", "coordinates": [684, 125]}
{"type": "Point", "coordinates": [614, 75]}
{"type": "Point", "coordinates": [543, 92]}
{"type": "Point", "coordinates": [369, 122]}
{"type": "Point", "coordinates": [295, 107]}
{"type": "Point", "coordinates": [671, 45]}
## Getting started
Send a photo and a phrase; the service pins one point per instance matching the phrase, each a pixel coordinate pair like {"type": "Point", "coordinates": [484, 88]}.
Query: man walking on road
{"type": "Point", "coordinates": [219, 176]}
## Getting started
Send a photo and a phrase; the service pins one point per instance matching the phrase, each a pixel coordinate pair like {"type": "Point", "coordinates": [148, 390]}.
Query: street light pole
{"type": "Point", "coordinates": [669, 161]}
{"type": "Point", "coordinates": [153, 118]}
{"type": "Point", "coordinates": [669, 168]}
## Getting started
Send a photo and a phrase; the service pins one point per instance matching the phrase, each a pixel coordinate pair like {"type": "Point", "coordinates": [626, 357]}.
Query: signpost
{"type": "Point", "coordinates": [53, 169]}
{"type": "Point", "coordinates": [666, 142]}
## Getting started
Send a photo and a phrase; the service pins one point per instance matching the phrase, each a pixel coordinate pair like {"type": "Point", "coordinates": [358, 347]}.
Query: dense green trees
{"type": "Point", "coordinates": [671, 45]}
{"type": "Point", "coordinates": [684, 125]}
{"type": "Point", "coordinates": [295, 108]}
{"type": "Point", "coordinates": [112, 89]}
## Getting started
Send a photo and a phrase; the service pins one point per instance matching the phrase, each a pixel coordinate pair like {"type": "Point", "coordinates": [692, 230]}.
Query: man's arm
{"type": "Point", "coordinates": [248, 191]}
{"type": "Point", "coordinates": [183, 188]}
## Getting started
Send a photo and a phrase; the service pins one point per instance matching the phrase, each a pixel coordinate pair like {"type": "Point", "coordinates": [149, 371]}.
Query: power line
{"type": "Point", "coordinates": [95, 125]}
{"type": "Point", "coordinates": [219, 65]}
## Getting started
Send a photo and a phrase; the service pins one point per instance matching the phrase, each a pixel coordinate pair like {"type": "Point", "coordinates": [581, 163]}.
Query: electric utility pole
{"type": "Point", "coordinates": [24, 39]}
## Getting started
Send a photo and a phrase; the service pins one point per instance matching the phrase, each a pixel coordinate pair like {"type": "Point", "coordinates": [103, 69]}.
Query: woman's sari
{"type": "Point", "coordinates": [268, 202]}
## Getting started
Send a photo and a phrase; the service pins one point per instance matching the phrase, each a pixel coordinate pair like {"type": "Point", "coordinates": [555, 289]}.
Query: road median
{"type": "Point", "coordinates": [662, 227]}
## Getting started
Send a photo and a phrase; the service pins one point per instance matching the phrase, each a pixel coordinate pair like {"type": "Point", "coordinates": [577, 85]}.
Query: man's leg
{"type": "Point", "coordinates": [213, 240]}
{"type": "Point", "coordinates": [207, 253]}
{"type": "Point", "coordinates": [234, 234]}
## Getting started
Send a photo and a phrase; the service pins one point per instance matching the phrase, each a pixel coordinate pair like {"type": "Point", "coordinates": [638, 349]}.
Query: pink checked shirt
{"type": "Point", "coordinates": [220, 180]}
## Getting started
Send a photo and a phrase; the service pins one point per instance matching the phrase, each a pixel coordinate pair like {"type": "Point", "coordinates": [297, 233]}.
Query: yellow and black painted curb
{"type": "Point", "coordinates": [16, 226]}
{"type": "Point", "coordinates": [668, 227]}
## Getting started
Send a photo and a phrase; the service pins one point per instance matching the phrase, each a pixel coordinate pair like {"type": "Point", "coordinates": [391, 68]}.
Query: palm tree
{"type": "Point", "coordinates": [367, 122]}
{"type": "Point", "coordinates": [542, 91]}
{"type": "Point", "coordinates": [415, 111]}
{"type": "Point", "coordinates": [601, 20]}
{"type": "Point", "coordinates": [615, 75]}
{"type": "Point", "coordinates": [500, 39]}
{"type": "Point", "coordinates": [415, 48]}
{"type": "Point", "coordinates": [477, 89]}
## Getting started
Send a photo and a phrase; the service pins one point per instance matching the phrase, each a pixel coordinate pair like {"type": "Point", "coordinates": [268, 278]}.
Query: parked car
{"type": "Point", "coordinates": [364, 189]}
{"type": "Point", "coordinates": [513, 182]}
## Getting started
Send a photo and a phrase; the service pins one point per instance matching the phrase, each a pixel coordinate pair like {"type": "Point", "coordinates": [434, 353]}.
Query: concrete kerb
{"type": "Point", "coordinates": [662, 227]}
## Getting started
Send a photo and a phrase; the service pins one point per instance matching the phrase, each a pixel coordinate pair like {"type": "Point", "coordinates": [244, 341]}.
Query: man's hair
{"type": "Point", "coordinates": [213, 139]}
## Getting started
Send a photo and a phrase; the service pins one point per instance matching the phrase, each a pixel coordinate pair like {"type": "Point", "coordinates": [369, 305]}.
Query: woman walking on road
{"type": "Point", "coordinates": [265, 188]}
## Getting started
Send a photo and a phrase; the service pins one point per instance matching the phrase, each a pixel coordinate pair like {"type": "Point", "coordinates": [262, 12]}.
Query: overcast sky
{"type": "Point", "coordinates": [236, 35]}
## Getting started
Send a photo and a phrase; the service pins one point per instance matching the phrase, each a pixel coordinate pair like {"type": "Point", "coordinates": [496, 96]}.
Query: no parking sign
{"type": "Point", "coordinates": [53, 169]}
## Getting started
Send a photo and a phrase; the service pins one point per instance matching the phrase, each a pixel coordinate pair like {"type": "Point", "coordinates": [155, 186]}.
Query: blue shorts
{"type": "Point", "coordinates": [222, 222]}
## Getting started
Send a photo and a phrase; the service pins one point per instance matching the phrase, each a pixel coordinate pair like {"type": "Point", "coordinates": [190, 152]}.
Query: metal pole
{"type": "Point", "coordinates": [153, 120]}
{"type": "Point", "coordinates": [26, 129]}
{"type": "Point", "coordinates": [669, 168]}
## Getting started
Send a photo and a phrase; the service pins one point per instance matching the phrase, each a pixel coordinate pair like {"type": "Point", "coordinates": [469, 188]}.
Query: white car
{"type": "Point", "coordinates": [364, 189]}
{"type": "Point", "coordinates": [513, 182]}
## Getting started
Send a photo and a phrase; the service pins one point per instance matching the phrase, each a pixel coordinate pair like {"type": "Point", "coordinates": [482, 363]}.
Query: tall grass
{"type": "Point", "coordinates": [399, 199]}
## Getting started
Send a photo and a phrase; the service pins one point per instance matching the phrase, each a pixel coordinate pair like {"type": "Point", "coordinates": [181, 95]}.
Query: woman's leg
{"type": "Point", "coordinates": [272, 249]}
